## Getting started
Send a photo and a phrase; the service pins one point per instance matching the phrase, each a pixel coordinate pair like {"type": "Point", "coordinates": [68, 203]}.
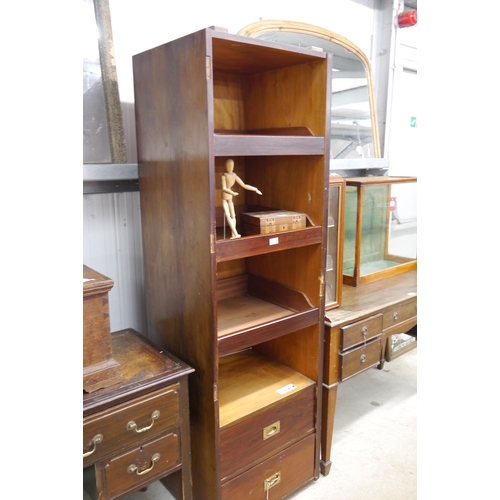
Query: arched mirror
{"type": "Point", "coordinates": [354, 132]}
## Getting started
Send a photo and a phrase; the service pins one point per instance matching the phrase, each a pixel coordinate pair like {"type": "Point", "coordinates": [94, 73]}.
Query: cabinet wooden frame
{"type": "Point", "coordinates": [199, 101]}
{"type": "Point", "coordinates": [335, 241]}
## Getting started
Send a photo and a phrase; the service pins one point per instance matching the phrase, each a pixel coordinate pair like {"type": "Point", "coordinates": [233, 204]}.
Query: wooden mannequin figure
{"type": "Point", "coordinates": [228, 180]}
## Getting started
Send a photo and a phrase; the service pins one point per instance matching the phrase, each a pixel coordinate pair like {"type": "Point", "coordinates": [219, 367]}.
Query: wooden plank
{"type": "Point", "coordinates": [264, 145]}
{"type": "Point", "coordinates": [249, 246]}
{"type": "Point", "coordinates": [272, 329]}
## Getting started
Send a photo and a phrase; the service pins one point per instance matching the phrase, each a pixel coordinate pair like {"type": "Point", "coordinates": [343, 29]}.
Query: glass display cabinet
{"type": "Point", "coordinates": [380, 228]}
{"type": "Point", "coordinates": [334, 247]}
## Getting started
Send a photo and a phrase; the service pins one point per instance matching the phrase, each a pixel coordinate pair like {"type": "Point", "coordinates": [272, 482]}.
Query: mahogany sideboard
{"type": "Point", "coordinates": [357, 335]}
{"type": "Point", "coordinates": [137, 431]}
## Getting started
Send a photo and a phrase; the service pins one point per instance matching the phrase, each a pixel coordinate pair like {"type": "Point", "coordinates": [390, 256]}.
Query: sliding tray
{"type": "Point", "coordinates": [268, 142]}
{"type": "Point", "coordinates": [251, 310]}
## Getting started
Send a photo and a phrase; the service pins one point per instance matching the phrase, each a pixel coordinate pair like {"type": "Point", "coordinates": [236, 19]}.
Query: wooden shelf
{"type": "Point", "coordinates": [248, 246]}
{"type": "Point", "coordinates": [248, 312]}
{"type": "Point", "coordinates": [267, 145]}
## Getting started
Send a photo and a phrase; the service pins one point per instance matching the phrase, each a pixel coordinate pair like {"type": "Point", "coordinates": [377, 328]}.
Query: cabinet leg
{"type": "Point", "coordinates": [327, 417]}
{"type": "Point", "coordinates": [382, 354]}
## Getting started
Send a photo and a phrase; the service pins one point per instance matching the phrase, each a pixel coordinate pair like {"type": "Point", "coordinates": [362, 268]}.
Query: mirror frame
{"type": "Point", "coordinates": [270, 26]}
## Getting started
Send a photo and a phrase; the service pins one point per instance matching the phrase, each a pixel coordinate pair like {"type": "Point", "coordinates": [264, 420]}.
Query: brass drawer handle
{"type": "Point", "coordinates": [395, 316]}
{"type": "Point", "coordinates": [362, 358]}
{"type": "Point", "coordinates": [132, 426]}
{"type": "Point", "coordinates": [272, 481]}
{"type": "Point", "coordinates": [271, 430]}
{"type": "Point", "coordinates": [133, 468]}
{"type": "Point", "coordinates": [95, 441]}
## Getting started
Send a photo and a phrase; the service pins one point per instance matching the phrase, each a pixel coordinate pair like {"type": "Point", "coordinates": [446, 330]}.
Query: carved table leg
{"type": "Point", "coordinates": [328, 415]}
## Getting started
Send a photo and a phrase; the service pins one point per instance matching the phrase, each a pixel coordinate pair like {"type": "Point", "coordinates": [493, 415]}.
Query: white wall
{"type": "Point", "coordinates": [112, 245]}
{"type": "Point", "coordinates": [401, 137]}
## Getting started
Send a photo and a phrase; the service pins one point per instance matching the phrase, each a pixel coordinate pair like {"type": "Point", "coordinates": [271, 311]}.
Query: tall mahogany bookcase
{"type": "Point", "coordinates": [246, 313]}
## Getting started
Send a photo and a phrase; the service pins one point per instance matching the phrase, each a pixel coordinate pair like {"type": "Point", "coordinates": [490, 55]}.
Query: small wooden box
{"type": "Point", "coordinates": [271, 222]}
{"type": "Point", "coordinates": [100, 369]}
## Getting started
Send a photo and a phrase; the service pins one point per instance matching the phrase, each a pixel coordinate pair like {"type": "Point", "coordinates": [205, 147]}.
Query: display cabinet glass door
{"type": "Point", "coordinates": [334, 246]}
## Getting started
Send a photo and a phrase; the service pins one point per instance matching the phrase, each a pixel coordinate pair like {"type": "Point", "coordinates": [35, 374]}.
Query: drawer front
{"type": "Point", "coordinates": [261, 435]}
{"type": "Point", "coordinates": [398, 315]}
{"type": "Point", "coordinates": [139, 467]}
{"type": "Point", "coordinates": [360, 332]}
{"type": "Point", "coordinates": [360, 358]}
{"type": "Point", "coordinates": [276, 477]}
{"type": "Point", "coordinates": [129, 423]}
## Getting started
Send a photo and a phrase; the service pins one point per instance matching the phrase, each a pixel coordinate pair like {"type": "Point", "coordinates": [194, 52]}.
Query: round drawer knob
{"type": "Point", "coordinates": [364, 330]}
{"type": "Point", "coordinates": [395, 316]}
{"type": "Point", "coordinates": [362, 358]}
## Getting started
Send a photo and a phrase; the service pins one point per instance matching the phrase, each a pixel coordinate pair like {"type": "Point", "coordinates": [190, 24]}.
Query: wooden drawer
{"type": "Point", "coordinates": [360, 332]}
{"type": "Point", "coordinates": [360, 358]}
{"type": "Point", "coordinates": [113, 430]}
{"type": "Point", "coordinates": [261, 435]}
{"type": "Point", "coordinates": [139, 467]}
{"type": "Point", "coordinates": [400, 315]}
{"type": "Point", "coordinates": [402, 345]}
{"type": "Point", "coordinates": [276, 477]}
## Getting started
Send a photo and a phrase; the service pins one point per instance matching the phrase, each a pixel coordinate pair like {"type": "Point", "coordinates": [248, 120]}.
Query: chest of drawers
{"type": "Point", "coordinates": [360, 346]}
{"type": "Point", "coordinates": [358, 336]}
{"type": "Point", "coordinates": [137, 431]}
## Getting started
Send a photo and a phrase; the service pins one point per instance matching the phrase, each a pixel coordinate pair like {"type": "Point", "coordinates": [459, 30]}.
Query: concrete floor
{"type": "Point", "coordinates": [374, 451]}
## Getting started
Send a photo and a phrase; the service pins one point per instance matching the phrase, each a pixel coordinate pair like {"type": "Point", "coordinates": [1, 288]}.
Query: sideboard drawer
{"type": "Point", "coordinates": [276, 477]}
{"type": "Point", "coordinates": [129, 471]}
{"type": "Point", "coordinates": [399, 315]}
{"type": "Point", "coordinates": [360, 332]}
{"type": "Point", "coordinates": [130, 423]}
{"type": "Point", "coordinates": [360, 358]}
{"type": "Point", "coordinates": [261, 435]}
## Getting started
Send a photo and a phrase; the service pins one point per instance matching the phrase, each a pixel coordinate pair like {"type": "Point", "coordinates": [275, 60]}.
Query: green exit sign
{"type": "Point", "coordinates": [413, 122]}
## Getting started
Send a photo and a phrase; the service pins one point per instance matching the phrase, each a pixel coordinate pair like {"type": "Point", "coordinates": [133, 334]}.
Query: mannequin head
{"type": "Point", "coordinates": [229, 165]}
